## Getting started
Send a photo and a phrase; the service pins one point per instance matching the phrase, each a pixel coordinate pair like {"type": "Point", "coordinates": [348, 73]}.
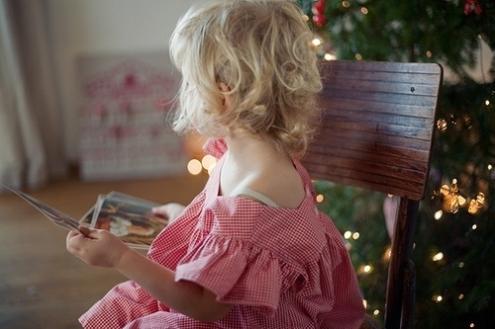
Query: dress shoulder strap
{"type": "Point", "coordinates": [256, 195]}
{"type": "Point", "coordinates": [305, 177]}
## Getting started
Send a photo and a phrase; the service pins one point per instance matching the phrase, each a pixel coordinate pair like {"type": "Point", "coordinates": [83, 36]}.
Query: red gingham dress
{"type": "Point", "coordinates": [279, 267]}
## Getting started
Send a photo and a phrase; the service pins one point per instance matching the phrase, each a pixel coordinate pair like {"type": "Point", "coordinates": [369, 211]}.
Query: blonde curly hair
{"type": "Point", "coordinates": [261, 50]}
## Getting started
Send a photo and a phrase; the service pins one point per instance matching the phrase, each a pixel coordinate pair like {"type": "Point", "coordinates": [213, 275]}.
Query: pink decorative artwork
{"type": "Point", "coordinates": [125, 129]}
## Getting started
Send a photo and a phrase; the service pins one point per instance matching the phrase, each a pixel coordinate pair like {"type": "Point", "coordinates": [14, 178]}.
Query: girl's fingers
{"type": "Point", "coordinates": [72, 237]}
{"type": "Point", "coordinates": [68, 240]}
{"type": "Point", "coordinates": [74, 242]}
{"type": "Point", "coordinates": [161, 211]}
{"type": "Point", "coordinates": [77, 239]}
{"type": "Point", "coordinates": [97, 234]}
{"type": "Point", "coordinates": [90, 232]}
{"type": "Point", "coordinates": [85, 230]}
{"type": "Point", "coordinates": [71, 234]}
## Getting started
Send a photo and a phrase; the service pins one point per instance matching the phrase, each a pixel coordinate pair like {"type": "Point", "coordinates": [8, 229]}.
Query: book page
{"type": "Point", "coordinates": [51, 213]}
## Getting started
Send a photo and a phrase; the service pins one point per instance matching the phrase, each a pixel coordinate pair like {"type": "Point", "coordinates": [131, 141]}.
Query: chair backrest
{"type": "Point", "coordinates": [376, 126]}
{"type": "Point", "coordinates": [376, 132]}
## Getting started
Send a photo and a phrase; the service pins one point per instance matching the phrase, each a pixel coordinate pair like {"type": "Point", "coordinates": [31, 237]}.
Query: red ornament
{"type": "Point", "coordinates": [319, 20]}
{"type": "Point", "coordinates": [319, 13]}
{"type": "Point", "coordinates": [319, 7]}
{"type": "Point", "coordinates": [472, 6]}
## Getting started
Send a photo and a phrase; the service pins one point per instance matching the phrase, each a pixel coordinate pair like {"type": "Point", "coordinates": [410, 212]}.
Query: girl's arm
{"type": "Point", "coordinates": [101, 248]}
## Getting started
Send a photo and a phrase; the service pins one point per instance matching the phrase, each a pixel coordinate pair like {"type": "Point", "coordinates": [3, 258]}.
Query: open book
{"type": "Point", "coordinates": [125, 216]}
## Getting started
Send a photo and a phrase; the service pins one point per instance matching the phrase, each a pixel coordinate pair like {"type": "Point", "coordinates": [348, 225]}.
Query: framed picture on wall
{"type": "Point", "coordinates": [125, 129]}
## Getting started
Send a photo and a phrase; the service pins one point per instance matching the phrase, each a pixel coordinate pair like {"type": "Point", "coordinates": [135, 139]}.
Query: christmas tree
{"type": "Point", "coordinates": [455, 235]}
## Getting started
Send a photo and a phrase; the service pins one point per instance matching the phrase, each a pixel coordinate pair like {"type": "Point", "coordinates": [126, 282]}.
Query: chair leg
{"type": "Point", "coordinates": [399, 262]}
{"type": "Point", "coordinates": [409, 297]}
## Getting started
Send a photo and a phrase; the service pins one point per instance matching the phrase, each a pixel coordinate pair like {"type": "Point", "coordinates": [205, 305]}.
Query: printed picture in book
{"type": "Point", "coordinates": [127, 217]}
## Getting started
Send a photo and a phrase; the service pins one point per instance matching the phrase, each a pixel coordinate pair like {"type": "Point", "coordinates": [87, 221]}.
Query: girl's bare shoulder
{"type": "Point", "coordinates": [282, 184]}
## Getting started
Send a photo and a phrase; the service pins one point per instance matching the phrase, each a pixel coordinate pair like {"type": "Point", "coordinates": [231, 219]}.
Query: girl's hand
{"type": "Point", "coordinates": [96, 247]}
{"type": "Point", "coordinates": [170, 211]}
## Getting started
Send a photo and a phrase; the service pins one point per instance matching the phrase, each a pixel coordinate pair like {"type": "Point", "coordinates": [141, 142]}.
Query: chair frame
{"type": "Point", "coordinates": [376, 132]}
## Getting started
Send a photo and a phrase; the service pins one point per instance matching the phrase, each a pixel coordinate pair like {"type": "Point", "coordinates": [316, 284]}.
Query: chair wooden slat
{"type": "Point", "coordinates": [350, 66]}
{"type": "Point", "coordinates": [320, 155]}
{"type": "Point", "coordinates": [379, 128]}
{"type": "Point", "coordinates": [380, 118]}
{"type": "Point", "coordinates": [385, 97]}
{"type": "Point", "coordinates": [352, 154]}
{"type": "Point", "coordinates": [372, 181]}
{"type": "Point", "coordinates": [356, 148]}
{"type": "Point", "coordinates": [376, 107]}
{"type": "Point", "coordinates": [416, 78]}
{"type": "Point", "coordinates": [358, 135]}
{"type": "Point", "coordinates": [370, 168]}
{"type": "Point", "coordinates": [389, 87]}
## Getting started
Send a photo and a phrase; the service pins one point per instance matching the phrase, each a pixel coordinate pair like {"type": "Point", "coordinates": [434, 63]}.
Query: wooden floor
{"type": "Point", "coordinates": [41, 284]}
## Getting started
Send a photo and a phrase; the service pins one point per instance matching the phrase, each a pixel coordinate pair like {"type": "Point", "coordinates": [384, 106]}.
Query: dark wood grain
{"type": "Point", "coordinates": [375, 132]}
{"type": "Point", "coordinates": [338, 104]}
{"type": "Point", "coordinates": [420, 78]}
{"type": "Point", "coordinates": [387, 98]}
{"type": "Point", "coordinates": [376, 126]}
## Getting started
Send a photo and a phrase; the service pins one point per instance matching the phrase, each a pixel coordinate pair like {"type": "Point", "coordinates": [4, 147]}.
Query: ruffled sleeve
{"type": "Point", "coordinates": [235, 271]}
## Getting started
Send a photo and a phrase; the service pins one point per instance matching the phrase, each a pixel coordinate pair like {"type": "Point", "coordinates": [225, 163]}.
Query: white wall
{"type": "Point", "coordinates": [102, 26]}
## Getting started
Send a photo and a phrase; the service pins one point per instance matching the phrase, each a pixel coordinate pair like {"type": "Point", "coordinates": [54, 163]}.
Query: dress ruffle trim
{"type": "Point", "coordinates": [215, 147]}
{"type": "Point", "coordinates": [235, 271]}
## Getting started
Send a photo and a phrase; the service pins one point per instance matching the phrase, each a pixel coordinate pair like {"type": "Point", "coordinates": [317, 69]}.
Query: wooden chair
{"type": "Point", "coordinates": [376, 132]}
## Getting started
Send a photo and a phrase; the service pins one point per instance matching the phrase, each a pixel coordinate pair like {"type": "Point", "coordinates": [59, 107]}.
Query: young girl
{"type": "Point", "coordinates": [251, 250]}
